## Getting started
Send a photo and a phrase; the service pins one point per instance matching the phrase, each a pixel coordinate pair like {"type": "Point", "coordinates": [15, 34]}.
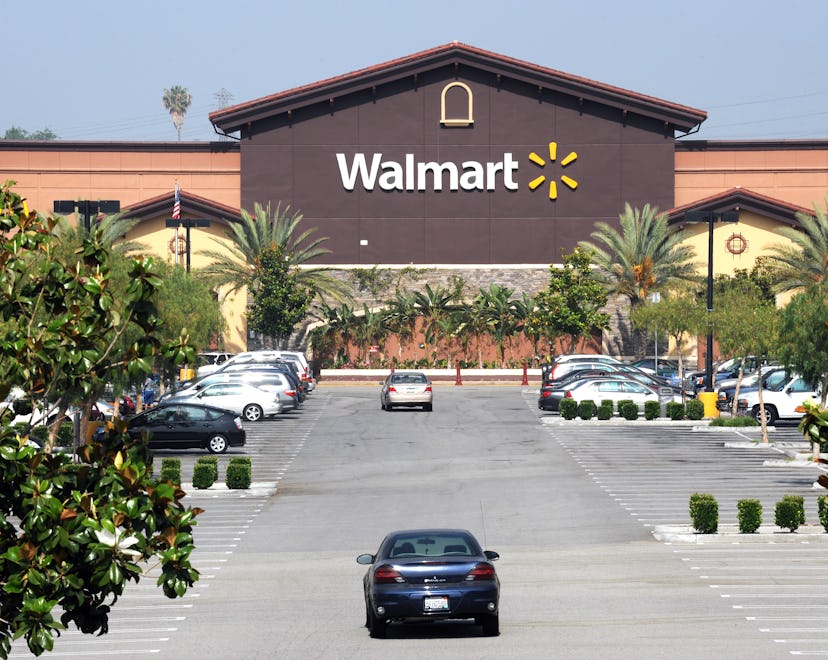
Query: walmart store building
{"type": "Point", "coordinates": [454, 160]}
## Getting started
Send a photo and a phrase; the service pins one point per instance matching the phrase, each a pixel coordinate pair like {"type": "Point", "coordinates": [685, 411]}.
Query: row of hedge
{"type": "Point", "coordinates": [238, 473]}
{"type": "Point", "coordinates": [628, 409]}
{"type": "Point", "coordinates": [789, 513]}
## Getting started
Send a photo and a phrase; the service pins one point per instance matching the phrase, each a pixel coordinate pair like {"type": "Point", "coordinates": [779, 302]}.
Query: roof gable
{"type": "Point", "coordinates": [674, 116]}
{"type": "Point", "coordinates": [737, 199]}
{"type": "Point", "coordinates": [191, 206]}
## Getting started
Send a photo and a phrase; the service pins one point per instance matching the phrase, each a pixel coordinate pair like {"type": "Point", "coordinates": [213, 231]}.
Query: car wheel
{"type": "Point", "coordinates": [491, 624]}
{"type": "Point", "coordinates": [388, 407]}
{"type": "Point", "coordinates": [770, 414]}
{"type": "Point", "coordinates": [427, 407]}
{"type": "Point", "coordinates": [382, 405]}
{"type": "Point", "coordinates": [377, 627]}
{"type": "Point", "coordinates": [252, 412]}
{"type": "Point", "coordinates": [217, 444]}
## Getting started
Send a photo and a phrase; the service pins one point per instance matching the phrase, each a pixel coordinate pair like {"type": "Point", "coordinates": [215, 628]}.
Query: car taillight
{"type": "Point", "coordinates": [385, 574]}
{"type": "Point", "coordinates": [290, 392]}
{"type": "Point", "coordinates": [428, 388]}
{"type": "Point", "coordinates": [545, 394]}
{"type": "Point", "coordinates": [237, 421]}
{"type": "Point", "coordinates": [391, 388]}
{"type": "Point", "coordinates": [483, 571]}
{"type": "Point", "coordinates": [568, 394]}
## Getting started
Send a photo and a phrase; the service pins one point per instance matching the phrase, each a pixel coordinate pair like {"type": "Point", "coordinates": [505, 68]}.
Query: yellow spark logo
{"type": "Point", "coordinates": [537, 182]}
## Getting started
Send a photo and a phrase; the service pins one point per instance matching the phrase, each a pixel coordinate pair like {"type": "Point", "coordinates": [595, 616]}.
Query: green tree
{"type": "Point", "coordinates": [502, 316]}
{"type": "Point", "coordinates": [17, 133]}
{"type": "Point", "coordinates": [73, 534]}
{"type": "Point", "coordinates": [645, 255]}
{"type": "Point", "coordinates": [679, 315]}
{"type": "Point", "coordinates": [571, 303]}
{"type": "Point", "coordinates": [803, 336]}
{"type": "Point", "coordinates": [402, 314]}
{"type": "Point", "coordinates": [234, 263]}
{"type": "Point", "coordinates": [279, 300]}
{"type": "Point", "coordinates": [804, 260]}
{"type": "Point", "coordinates": [433, 306]}
{"type": "Point", "coordinates": [177, 100]}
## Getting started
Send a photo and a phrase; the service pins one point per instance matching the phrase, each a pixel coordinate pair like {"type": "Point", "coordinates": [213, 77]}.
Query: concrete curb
{"type": "Point", "coordinates": [219, 488]}
{"type": "Point", "coordinates": [730, 534]}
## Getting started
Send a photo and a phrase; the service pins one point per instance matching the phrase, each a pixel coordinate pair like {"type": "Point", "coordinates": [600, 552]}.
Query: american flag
{"type": "Point", "coordinates": [176, 204]}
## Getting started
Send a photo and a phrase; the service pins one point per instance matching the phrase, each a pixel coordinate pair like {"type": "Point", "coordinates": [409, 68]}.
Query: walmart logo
{"type": "Point", "coordinates": [538, 181]}
{"type": "Point", "coordinates": [414, 175]}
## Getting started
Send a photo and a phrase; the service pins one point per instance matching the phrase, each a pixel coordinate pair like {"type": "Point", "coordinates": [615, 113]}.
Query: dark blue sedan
{"type": "Point", "coordinates": [422, 575]}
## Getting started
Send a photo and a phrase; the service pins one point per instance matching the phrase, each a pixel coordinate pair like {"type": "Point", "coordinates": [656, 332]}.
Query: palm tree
{"type": "Point", "coordinates": [111, 230]}
{"type": "Point", "coordinates": [402, 317]}
{"type": "Point", "coordinates": [503, 315]}
{"type": "Point", "coordinates": [177, 99]}
{"type": "Point", "coordinates": [234, 264]}
{"type": "Point", "coordinates": [433, 306]}
{"type": "Point", "coordinates": [644, 256]}
{"type": "Point", "coordinates": [805, 262]}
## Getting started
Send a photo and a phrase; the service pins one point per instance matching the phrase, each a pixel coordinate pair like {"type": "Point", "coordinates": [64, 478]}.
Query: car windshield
{"type": "Point", "coordinates": [409, 378]}
{"type": "Point", "coordinates": [432, 545]}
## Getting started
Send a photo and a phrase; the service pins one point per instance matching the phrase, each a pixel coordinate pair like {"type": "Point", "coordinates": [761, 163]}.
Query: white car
{"type": "Point", "coordinates": [619, 389]}
{"type": "Point", "coordinates": [406, 389]}
{"type": "Point", "coordinates": [781, 403]}
{"type": "Point", "coordinates": [246, 400]}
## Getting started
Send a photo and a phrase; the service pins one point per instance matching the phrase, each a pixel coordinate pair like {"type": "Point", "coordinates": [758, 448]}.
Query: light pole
{"type": "Point", "coordinates": [86, 209]}
{"type": "Point", "coordinates": [710, 217]}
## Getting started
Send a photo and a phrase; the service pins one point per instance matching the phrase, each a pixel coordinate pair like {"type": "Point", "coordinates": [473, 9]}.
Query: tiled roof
{"type": "Point", "coordinates": [742, 199]}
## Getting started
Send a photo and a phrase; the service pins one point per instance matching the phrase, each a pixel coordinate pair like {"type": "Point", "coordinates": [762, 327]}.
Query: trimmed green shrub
{"type": "Point", "coordinates": [212, 461]}
{"type": "Point", "coordinates": [66, 435]}
{"type": "Point", "coordinates": [246, 460]}
{"type": "Point", "coordinates": [171, 470]}
{"type": "Point", "coordinates": [733, 421]}
{"type": "Point", "coordinates": [652, 409]}
{"type": "Point", "coordinates": [239, 474]}
{"type": "Point", "coordinates": [822, 509]}
{"type": "Point", "coordinates": [587, 409]}
{"type": "Point", "coordinates": [790, 512]}
{"type": "Point", "coordinates": [605, 410]}
{"type": "Point", "coordinates": [749, 514]}
{"type": "Point", "coordinates": [629, 410]}
{"type": "Point", "coordinates": [203, 475]}
{"type": "Point", "coordinates": [621, 403]}
{"type": "Point", "coordinates": [704, 513]}
{"type": "Point", "coordinates": [674, 410]}
{"type": "Point", "coordinates": [695, 409]}
{"type": "Point", "coordinates": [568, 408]}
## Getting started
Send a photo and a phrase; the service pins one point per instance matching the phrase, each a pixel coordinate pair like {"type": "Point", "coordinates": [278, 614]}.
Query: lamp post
{"type": "Point", "coordinates": [86, 209]}
{"type": "Point", "coordinates": [710, 217]}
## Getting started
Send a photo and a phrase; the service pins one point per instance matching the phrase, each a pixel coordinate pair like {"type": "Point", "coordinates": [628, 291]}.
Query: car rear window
{"type": "Point", "coordinates": [433, 545]}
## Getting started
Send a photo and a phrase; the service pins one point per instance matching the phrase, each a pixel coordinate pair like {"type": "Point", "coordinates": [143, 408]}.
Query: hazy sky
{"type": "Point", "coordinates": [96, 69]}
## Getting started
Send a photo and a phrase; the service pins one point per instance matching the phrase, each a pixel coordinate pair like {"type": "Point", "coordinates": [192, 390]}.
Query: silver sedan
{"type": "Point", "coordinates": [406, 389]}
{"type": "Point", "coordinates": [246, 400]}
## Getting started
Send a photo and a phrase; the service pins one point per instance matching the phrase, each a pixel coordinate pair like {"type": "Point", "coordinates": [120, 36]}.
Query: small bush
{"type": "Point", "coordinates": [66, 435]}
{"type": "Point", "coordinates": [171, 470]}
{"type": "Point", "coordinates": [211, 461]}
{"type": "Point", "coordinates": [239, 474]}
{"type": "Point", "coordinates": [733, 421]}
{"type": "Point", "coordinates": [749, 513]}
{"type": "Point", "coordinates": [822, 509]}
{"type": "Point", "coordinates": [629, 410]}
{"type": "Point", "coordinates": [605, 410]}
{"type": "Point", "coordinates": [622, 403]}
{"type": "Point", "coordinates": [675, 410]}
{"type": "Point", "coordinates": [652, 409]}
{"type": "Point", "coordinates": [790, 512]}
{"type": "Point", "coordinates": [568, 408]}
{"type": "Point", "coordinates": [203, 475]}
{"type": "Point", "coordinates": [695, 409]}
{"type": "Point", "coordinates": [704, 513]}
{"type": "Point", "coordinates": [586, 409]}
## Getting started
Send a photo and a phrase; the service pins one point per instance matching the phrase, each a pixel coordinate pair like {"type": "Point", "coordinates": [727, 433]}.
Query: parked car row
{"type": "Point", "coordinates": [209, 412]}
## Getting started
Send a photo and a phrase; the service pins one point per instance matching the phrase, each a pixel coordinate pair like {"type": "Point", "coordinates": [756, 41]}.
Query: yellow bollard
{"type": "Point", "coordinates": [709, 401]}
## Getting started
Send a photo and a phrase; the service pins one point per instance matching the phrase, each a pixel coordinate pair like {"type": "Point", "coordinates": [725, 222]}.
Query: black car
{"type": "Point", "coordinates": [430, 574]}
{"type": "Point", "coordinates": [185, 425]}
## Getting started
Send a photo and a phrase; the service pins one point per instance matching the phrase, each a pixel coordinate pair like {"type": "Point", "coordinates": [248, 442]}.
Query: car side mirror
{"type": "Point", "coordinates": [491, 555]}
{"type": "Point", "coordinates": [365, 559]}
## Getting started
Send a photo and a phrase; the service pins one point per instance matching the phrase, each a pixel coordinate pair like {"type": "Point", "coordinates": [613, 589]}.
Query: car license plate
{"type": "Point", "coordinates": [435, 603]}
{"type": "Point", "coordinates": [410, 390]}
